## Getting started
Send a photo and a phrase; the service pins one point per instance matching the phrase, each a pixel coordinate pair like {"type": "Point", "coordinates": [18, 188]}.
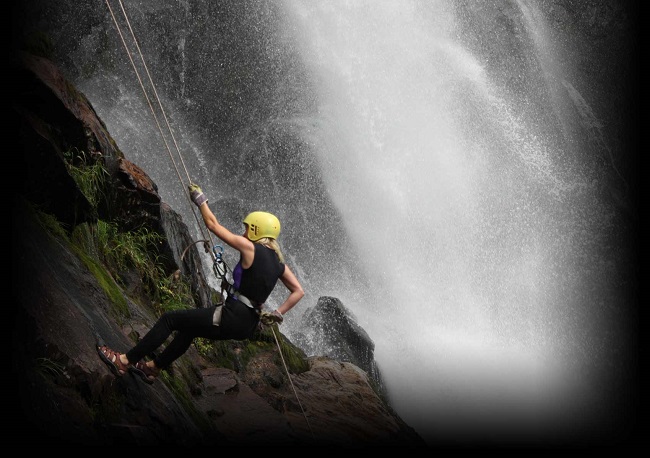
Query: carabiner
{"type": "Point", "coordinates": [217, 255]}
{"type": "Point", "coordinates": [219, 266]}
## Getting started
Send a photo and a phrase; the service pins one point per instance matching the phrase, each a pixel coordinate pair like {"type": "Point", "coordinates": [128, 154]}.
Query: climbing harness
{"type": "Point", "coordinates": [219, 266]}
{"type": "Point", "coordinates": [220, 269]}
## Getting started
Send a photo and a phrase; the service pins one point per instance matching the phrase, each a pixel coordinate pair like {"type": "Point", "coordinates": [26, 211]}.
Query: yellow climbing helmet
{"type": "Point", "coordinates": [262, 224]}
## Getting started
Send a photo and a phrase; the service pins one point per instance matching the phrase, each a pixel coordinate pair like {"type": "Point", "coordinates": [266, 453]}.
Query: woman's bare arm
{"type": "Point", "coordinates": [238, 242]}
{"type": "Point", "coordinates": [296, 291]}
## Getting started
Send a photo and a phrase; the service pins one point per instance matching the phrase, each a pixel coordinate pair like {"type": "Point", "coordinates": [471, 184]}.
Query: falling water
{"type": "Point", "coordinates": [476, 224]}
{"type": "Point", "coordinates": [429, 162]}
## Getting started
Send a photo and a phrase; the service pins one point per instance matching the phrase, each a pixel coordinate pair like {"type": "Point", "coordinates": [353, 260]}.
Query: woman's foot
{"type": "Point", "coordinates": [146, 372]}
{"type": "Point", "coordinates": [113, 360]}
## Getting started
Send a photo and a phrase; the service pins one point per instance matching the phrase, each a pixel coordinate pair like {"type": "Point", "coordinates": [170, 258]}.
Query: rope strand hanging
{"type": "Point", "coordinates": [205, 233]}
{"type": "Point", "coordinates": [286, 369]}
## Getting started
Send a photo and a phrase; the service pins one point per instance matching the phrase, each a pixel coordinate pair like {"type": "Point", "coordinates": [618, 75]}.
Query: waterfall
{"type": "Point", "coordinates": [435, 165]}
{"type": "Point", "coordinates": [468, 203]}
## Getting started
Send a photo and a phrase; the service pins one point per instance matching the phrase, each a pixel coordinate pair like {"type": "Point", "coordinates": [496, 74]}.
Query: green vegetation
{"type": "Point", "coordinates": [294, 357]}
{"type": "Point", "coordinates": [49, 222]}
{"type": "Point", "coordinates": [235, 355]}
{"type": "Point", "coordinates": [107, 283]}
{"type": "Point", "coordinates": [49, 368]}
{"type": "Point", "coordinates": [174, 293]}
{"type": "Point", "coordinates": [220, 352]}
{"type": "Point", "coordinates": [137, 249]}
{"type": "Point", "coordinates": [79, 243]}
{"type": "Point", "coordinates": [89, 175]}
{"type": "Point", "coordinates": [105, 245]}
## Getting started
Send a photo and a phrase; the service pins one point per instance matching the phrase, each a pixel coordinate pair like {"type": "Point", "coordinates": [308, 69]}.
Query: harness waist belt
{"type": "Point", "coordinates": [244, 300]}
{"type": "Point", "coordinates": [241, 298]}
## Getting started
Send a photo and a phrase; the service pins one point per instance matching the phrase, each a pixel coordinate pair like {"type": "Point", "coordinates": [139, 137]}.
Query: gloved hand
{"type": "Point", "coordinates": [197, 195]}
{"type": "Point", "coordinates": [269, 318]}
{"type": "Point", "coordinates": [277, 317]}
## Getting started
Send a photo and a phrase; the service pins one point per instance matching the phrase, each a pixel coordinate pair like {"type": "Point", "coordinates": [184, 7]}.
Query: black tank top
{"type": "Point", "coordinates": [257, 282]}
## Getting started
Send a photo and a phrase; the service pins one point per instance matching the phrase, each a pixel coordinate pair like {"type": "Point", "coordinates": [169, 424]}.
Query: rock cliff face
{"type": "Point", "coordinates": [64, 302]}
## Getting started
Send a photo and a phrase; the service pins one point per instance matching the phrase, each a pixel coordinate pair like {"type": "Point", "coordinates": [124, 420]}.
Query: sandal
{"type": "Point", "coordinates": [146, 373]}
{"type": "Point", "coordinates": [112, 360]}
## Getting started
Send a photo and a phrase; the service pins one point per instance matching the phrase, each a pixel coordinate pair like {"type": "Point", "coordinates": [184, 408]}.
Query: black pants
{"type": "Point", "coordinates": [238, 321]}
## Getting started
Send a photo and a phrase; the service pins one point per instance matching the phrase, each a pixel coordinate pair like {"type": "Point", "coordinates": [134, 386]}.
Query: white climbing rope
{"type": "Point", "coordinates": [153, 111]}
{"type": "Point", "coordinates": [277, 342]}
